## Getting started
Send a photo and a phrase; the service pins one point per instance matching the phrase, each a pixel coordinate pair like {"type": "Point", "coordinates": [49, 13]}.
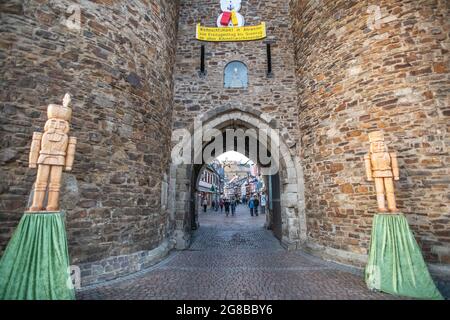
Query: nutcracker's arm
{"type": "Point", "coordinates": [394, 162]}
{"type": "Point", "coordinates": [368, 167]}
{"type": "Point", "coordinates": [70, 154]}
{"type": "Point", "coordinates": [35, 148]}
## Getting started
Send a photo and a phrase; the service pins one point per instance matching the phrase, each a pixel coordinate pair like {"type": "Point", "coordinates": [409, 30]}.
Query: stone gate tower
{"type": "Point", "coordinates": [338, 70]}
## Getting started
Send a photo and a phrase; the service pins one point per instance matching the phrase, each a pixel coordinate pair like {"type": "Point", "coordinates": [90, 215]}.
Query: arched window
{"type": "Point", "coordinates": [236, 75]}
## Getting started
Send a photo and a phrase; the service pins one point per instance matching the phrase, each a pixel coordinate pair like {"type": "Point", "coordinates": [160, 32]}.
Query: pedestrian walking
{"type": "Point", "coordinates": [251, 205]}
{"type": "Point", "coordinates": [221, 205]}
{"type": "Point", "coordinates": [204, 204]}
{"type": "Point", "coordinates": [213, 205]}
{"type": "Point", "coordinates": [256, 204]}
{"type": "Point", "coordinates": [227, 206]}
{"type": "Point", "coordinates": [263, 203]}
{"type": "Point", "coordinates": [233, 206]}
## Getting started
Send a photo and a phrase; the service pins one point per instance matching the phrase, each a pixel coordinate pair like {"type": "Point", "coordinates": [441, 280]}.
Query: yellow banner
{"type": "Point", "coordinates": [231, 33]}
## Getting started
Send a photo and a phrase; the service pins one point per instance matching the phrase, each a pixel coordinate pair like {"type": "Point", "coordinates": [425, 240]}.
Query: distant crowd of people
{"type": "Point", "coordinates": [229, 205]}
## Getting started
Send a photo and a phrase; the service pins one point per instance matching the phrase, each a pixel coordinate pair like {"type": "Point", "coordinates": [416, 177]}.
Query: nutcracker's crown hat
{"type": "Point", "coordinates": [376, 136]}
{"type": "Point", "coordinates": [55, 111]}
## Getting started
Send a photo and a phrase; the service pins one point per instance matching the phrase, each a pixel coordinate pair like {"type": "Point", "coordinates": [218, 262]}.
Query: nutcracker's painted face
{"type": "Point", "coordinates": [56, 126]}
{"type": "Point", "coordinates": [378, 147]}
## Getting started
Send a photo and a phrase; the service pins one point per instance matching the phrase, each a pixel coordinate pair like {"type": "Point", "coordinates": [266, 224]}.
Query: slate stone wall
{"type": "Point", "coordinates": [119, 69]}
{"type": "Point", "coordinates": [362, 66]}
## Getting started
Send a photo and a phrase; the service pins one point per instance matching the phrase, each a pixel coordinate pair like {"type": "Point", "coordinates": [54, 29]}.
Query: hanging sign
{"type": "Point", "coordinates": [231, 33]}
{"type": "Point", "coordinates": [230, 26]}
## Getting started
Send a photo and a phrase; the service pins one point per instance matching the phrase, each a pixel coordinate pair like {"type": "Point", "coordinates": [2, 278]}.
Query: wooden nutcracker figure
{"type": "Point", "coordinates": [382, 166]}
{"type": "Point", "coordinates": [52, 152]}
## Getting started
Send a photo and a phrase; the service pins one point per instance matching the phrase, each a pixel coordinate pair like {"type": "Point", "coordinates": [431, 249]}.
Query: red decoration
{"type": "Point", "coordinates": [226, 17]}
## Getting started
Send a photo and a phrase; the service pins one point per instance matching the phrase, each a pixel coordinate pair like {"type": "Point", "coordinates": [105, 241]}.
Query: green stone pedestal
{"type": "Point", "coordinates": [396, 264]}
{"type": "Point", "coordinates": [35, 265]}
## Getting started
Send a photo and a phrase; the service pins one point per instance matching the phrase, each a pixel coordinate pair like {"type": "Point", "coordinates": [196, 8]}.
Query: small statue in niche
{"type": "Point", "coordinates": [236, 82]}
{"type": "Point", "coordinates": [235, 75]}
{"type": "Point", "coordinates": [382, 167]}
{"type": "Point", "coordinates": [51, 152]}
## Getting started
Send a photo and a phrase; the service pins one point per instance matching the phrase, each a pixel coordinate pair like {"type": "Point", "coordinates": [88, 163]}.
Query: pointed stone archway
{"type": "Point", "coordinates": [183, 177]}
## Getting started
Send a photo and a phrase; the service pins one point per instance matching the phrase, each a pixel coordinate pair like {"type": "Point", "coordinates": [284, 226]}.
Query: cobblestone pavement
{"type": "Point", "coordinates": [236, 258]}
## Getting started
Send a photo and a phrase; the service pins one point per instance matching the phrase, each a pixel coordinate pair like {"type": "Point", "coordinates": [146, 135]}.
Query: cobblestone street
{"type": "Point", "coordinates": [236, 258]}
